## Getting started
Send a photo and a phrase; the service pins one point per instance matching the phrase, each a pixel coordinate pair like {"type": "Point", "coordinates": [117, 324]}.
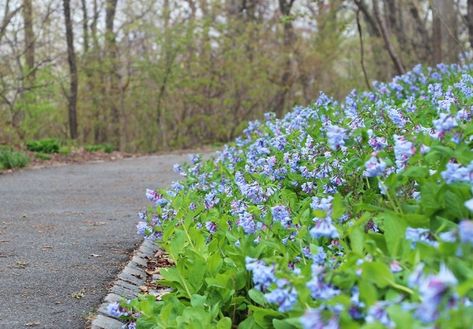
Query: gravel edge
{"type": "Point", "coordinates": [127, 285]}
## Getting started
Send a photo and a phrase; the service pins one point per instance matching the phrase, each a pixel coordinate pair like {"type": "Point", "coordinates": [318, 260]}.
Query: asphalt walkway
{"type": "Point", "coordinates": [65, 233]}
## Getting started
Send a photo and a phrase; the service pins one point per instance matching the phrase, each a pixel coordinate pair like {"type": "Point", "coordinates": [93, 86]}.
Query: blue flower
{"type": "Point", "coordinates": [142, 228]}
{"type": "Point", "coordinates": [263, 275]}
{"type": "Point", "coordinates": [115, 310]}
{"type": "Point", "coordinates": [323, 229]}
{"type": "Point", "coordinates": [314, 319]}
{"type": "Point", "coordinates": [318, 288]}
{"type": "Point", "coordinates": [403, 150]}
{"type": "Point", "coordinates": [211, 227]}
{"type": "Point", "coordinates": [378, 313]}
{"type": "Point", "coordinates": [281, 214]}
{"type": "Point", "coordinates": [457, 173]}
{"type": "Point", "coordinates": [336, 137]}
{"type": "Point", "coordinates": [396, 117]}
{"type": "Point", "coordinates": [444, 123]}
{"type": "Point", "coordinates": [416, 235]}
{"type": "Point", "coordinates": [465, 230]}
{"type": "Point", "coordinates": [324, 204]}
{"type": "Point", "coordinates": [246, 222]}
{"type": "Point", "coordinates": [374, 167]}
{"type": "Point", "coordinates": [284, 296]}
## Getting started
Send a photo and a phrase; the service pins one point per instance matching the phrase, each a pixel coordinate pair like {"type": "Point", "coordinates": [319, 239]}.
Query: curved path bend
{"type": "Point", "coordinates": [66, 232]}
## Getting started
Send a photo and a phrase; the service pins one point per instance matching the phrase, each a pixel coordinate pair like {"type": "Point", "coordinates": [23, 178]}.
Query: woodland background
{"type": "Point", "coordinates": [151, 75]}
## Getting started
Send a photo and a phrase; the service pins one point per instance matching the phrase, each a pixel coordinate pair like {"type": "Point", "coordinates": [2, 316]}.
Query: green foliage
{"type": "Point", "coordinates": [10, 159]}
{"type": "Point", "coordinates": [357, 247]}
{"type": "Point", "coordinates": [107, 148]}
{"type": "Point", "coordinates": [47, 145]}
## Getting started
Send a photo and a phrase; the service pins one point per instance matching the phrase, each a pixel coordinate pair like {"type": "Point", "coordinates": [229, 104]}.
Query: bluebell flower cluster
{"type": "Point", "coordinates": [339, 214]}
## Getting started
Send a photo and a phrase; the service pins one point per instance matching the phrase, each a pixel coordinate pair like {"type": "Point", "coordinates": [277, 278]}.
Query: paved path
{"type": "Point", "coordinates": [65, 233]}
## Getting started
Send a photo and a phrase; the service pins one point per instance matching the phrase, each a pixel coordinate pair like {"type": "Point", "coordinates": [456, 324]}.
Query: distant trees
{"type": "Point", "coordinates": [159, 74]}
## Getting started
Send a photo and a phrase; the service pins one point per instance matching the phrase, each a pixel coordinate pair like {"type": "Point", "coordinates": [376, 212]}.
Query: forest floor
{"type": "Point", "coordinates": [66, 232]}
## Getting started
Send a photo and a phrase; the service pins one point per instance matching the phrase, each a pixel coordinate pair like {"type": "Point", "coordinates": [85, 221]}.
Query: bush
{"type": "Point", "coordinates": [106, 148]}
{"type": "Point", "coordinates": [65, 150]}
{"type": "Point", "coordinates": [48, 145]}
{"type": "Point", "coordinates": [340, 215]}
{"type": "Point", "coordinates": [10, 159]}
{"type": "Point", "coordinates": [43, 156]}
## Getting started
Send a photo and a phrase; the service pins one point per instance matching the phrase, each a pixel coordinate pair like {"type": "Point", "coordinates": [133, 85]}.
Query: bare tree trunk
{"type": "Point", "coordinates": [7, 17]}
{"type": "Point", "coordinates": [445, 31]}
{"type": "Point", "coordinates": [29, 41]}
{"type": "Point", "coordinates": [71, 59]}
{"type": "Point", "coordinates": [422, 44]}
{"type": "Point", "coordinates": [387, 42]}
{"type": "Point", "coordinates": [362, 49]}
{"type": "Point", "coordinates": [436, 36]}
{"type": "Point", "coordinates": [112, 70]}
{"type": "Point", "coordinates": [470, 21]}
{"type": "Point", "coordinates": [85, 27]}
{"type": "Point", "coordinates": [285, 7]}
{"type": "Point", "coordinates": [370, 20]}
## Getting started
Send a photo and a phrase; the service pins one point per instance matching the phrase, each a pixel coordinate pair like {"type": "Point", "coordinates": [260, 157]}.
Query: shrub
{"type": "Point", "coordinates": [43, 156]}
{"type": "Point", "coordinates": [107, 148]}
{"type": "Point", "coordinates": [339, 215]}
{"type": "Point", "coordinates": [48, 145]}
{"type": "Point", "coordinates": [10, 159]}
{"type": "Point", "coordinates": [65, 150]}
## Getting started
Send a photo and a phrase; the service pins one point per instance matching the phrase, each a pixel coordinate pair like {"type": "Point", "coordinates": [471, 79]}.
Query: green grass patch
{"type": "Point", "coordinates": [10, 159]}
{"type": "Point", "coordinates": [107, 148]}
{"type": "Point", "coordinates": [47, 145]}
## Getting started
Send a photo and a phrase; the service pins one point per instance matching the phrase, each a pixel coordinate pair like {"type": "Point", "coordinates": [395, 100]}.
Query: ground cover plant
{"type": "Point", "coordinates": [340, 215]}
{"type": "Point", "coordinates": [10, 159]}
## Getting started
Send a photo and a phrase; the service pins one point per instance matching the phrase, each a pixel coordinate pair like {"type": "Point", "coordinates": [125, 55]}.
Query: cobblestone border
{"type": "Point", "coordinates": [127, 285]}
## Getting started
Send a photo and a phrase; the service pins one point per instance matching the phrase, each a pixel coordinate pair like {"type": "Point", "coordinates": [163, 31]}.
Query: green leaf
{"type": "Point", "coordinates": [357, 236]}
{"type": "Point", "coordinates": [338, 207]}
{"type": "Point", "coordinates": [224, 323]}
{"type": "Point", "coordinates": [257, 296]}
{"type": "Point", "coordinates": [284, 324]}
{"type": "Point", "coordinates": [394, 231]}
{"type": "Point", "coordinates": [416, 172]}
{"type": "Point", "coordinates": [368, 292]}
{"type": "Point", "coordinates": [377, 273]}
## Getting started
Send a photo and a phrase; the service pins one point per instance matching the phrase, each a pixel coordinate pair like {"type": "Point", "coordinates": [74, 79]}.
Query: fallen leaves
{"type": "Point", "coordinates": [21, 264]}
{"type": "Point", "coordinates": [32, 324]}
{"type": "Point", "coordinates": [78, 294]}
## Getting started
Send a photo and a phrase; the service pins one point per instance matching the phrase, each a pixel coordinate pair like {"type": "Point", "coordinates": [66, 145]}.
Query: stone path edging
{"type": "Point", "coordinates": [127, 286]}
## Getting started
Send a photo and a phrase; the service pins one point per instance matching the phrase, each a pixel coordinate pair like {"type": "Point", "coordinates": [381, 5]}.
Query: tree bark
{"type": "Point", "coordinates": [7, 17]}
{"type": "Point", "coordinates": [85, 26]}
{"type": "Point", "coordinates": [112, 70]}
{"type": "Point", "coordinates": [285, 7]}
{"type": "Point", "coordinates": [370, 20]}
{"type": "Point", "coordinates": [29, 41]}
{"type": "Point", "coordinates": [470, 21]}
{"type": "Point", "coordinates": [387, 43]}
{"type": "Point", "coordinates": [71, 60]}
{"type": "Point", "coordinates": [445, 39]}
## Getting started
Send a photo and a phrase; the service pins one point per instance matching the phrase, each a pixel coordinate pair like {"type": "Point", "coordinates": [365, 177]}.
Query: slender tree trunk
{"type": "Point", "coordinates": [285, 7]}
{"type": "Point", "coordinates": [445, 32]}
{"type": "Point", "coordinates": [436, 36]}
{"type": "Point", "coordinates": [85, 27]}
{"type": "Point", "coordinates": [470, 21]}
{"type": "Point", "coordinates": [362, 49]}
{"type": "Point", "coordinates": [71, 60]}
{"type": "Point", "coordinates": [7, 17]}
{"type": "Point", "coordinates": [112, 70]}
{"type": "Point", "coordinates": [387, 42]}
{"type": "Point", "coordinates": [29, 41]}
{"type": "Point", "coordinates": [421, 43]}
